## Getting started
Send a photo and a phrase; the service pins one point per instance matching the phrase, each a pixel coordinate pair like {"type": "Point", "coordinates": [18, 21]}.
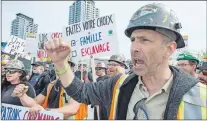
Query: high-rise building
{"type": "Point", "coordinates": [22, 25]}
{"type": "Point", "coordinates": [82, 10]}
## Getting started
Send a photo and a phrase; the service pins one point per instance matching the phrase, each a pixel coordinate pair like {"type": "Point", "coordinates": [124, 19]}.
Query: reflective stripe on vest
{"type": "Point", "coordinates": [193, 104]}
{"type": "Point", "coordinates": [82, 112]}
{"type": "Point", "coordinates": [115, 96]}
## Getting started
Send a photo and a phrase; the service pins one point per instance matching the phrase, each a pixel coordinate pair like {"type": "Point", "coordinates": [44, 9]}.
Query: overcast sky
{"type": "Point", "coordinates": [51, 16]}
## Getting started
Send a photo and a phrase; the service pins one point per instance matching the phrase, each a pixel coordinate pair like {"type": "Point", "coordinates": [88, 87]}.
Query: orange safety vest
{"type": "Point", "coordinates": [192, 106]}
{"type": "Point", "coordinates": [82, 111]}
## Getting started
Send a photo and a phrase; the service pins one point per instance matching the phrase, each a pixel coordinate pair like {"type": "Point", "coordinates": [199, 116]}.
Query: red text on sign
{"type": "Point", "coordinates": [100, 48]}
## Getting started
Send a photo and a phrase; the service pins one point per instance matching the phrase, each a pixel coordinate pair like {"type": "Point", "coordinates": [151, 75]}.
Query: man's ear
{"type": "Point", "coordinates": [171, 47]}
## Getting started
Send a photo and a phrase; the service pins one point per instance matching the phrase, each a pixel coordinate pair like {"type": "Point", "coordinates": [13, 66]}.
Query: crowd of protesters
{"type": "Point", "coordinates": [151, 89]}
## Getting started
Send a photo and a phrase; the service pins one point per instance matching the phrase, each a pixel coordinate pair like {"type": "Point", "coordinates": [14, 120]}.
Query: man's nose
{"type": "Point", "coordinates": [136, 46]}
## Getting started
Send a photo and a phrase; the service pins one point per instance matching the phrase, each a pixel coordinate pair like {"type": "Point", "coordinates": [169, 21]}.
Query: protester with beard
{"type": "Point", "coordinates": [51, 71]}
{"type": "Point", "coordinates": [188, 63]}
{"type": "Point", "coordinates": [155, 90]}
{"type": "Point", "coordinates": [202, 74]}
{"type": "Point", "coordinates": [15, 74]}
{"type": "Point", "coordinates": [47, 67]}
{"type": "Point", "coordinates": [39, 79]}
{"type": "Point", "coordinates": [116, 65]}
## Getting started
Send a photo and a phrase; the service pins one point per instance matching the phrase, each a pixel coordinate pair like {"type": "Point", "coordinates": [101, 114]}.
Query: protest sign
{"type": "Point", "coordinates": [15, 45]}
{"type": "Point", "coordinates": [41, 39]}
{"type": "Point", "coordinates": [31, 45]}
{"type": "Point", "coordinates": [95, 37]}
{"type": "Point", "coordinates": [13, 112]}
{"type": "Point", "coordinates": [44, 37]}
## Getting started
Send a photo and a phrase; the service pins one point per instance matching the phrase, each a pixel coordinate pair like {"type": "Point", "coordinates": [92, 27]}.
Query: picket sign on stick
{"type": "Point", "coordinates": [87, 70]}
{"type": "Point", "coordinates": [93, 68]}
{"type": "Point", "coordinates": [81, 70]}
{"type": "Point", "coordinates": [94, 79]}
{"type": "Point", "coordinates": [97, 37]}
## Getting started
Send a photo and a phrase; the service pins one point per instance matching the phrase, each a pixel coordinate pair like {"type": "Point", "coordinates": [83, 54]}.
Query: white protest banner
{"type": "Point", "coordinates": [13, 112]}
{"type": "Point", "coordinates": [15, 45]}
{"type": "Point", "coordinates": [41, 39]}
{"type": "Point", "coordinates": [95, 37]}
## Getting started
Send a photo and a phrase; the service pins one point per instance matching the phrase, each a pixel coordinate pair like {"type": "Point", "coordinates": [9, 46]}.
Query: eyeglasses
{"type": "Point", "coordinates": [11, 71]}
{"type": "Point", "coordinates": [139, 105]}
{"type": "Point", "coordinates": [82, 65]}
{"type": "Point", "coordinates": [203, 71]}
{"type": "Point", "coordinates": [98, 68]}
{"type": "Point", "coordinates": [183, 64]}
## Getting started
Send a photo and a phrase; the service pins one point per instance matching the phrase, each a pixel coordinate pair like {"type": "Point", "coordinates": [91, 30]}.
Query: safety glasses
{"type": "Point", "coordinates": [12, 71]}
{"type": "Point", "coordinates": [98, 68]}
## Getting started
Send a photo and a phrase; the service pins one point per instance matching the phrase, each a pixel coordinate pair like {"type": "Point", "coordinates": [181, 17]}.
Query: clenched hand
{"type": "Point", "coordinates": [20, 90]}
{"type": "Point", "coordinates": [57, 50]}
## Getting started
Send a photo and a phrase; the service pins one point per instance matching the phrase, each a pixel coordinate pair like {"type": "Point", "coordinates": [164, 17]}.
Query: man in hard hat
{"type": "Point", "coordinates": [188, 63]}
{"type": "Point", "coordinates": [101, 71]}
{"type": "Point", "coordinates": [117, 65]}
{"type": "Point", "coordinates": [202, 75]}
{"type": "Point", "coordinates": [100, 111]}
{"type": "Point", "coordinates": [155, 90]}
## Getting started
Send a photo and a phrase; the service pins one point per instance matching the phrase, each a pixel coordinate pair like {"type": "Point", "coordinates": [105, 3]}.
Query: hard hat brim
{"type": "Point", "coordinates": [119, 63]}
{"type": "Point", "coordinates": [180, 41]}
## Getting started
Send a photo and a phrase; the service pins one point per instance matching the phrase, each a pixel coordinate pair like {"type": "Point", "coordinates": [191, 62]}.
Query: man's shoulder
{"type": "Point", "coordinates": [182, 76]}
{"type": "Point", "coordinates": [196, 95]}
{"type": "Point", "coordinates": [45, 73]}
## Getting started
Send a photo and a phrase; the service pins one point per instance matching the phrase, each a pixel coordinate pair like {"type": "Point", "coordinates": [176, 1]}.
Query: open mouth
{"type": "Point", "coordinates": [138, 63]}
